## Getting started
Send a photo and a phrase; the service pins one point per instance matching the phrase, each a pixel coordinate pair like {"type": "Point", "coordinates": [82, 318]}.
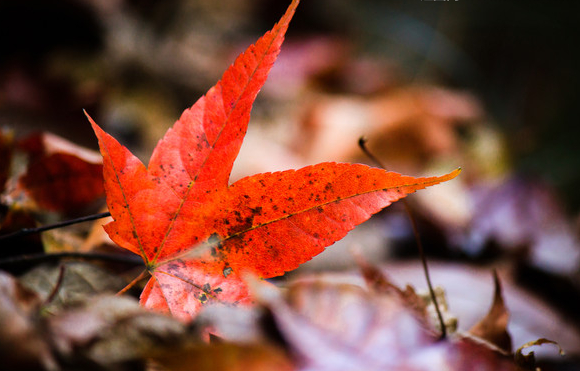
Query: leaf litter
{"type": "Point", "coordinates": [78, 348]}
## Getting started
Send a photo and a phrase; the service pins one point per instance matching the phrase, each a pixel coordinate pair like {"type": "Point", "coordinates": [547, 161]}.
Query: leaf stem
{"type": "Point", "coordinates": [27, 231]}
{"type": "Point", "coordinates": [134, 282]}
{"type": "Point", "coordinates": [362, 144]}
{"type": "Point", "coordinates": [56, 287]}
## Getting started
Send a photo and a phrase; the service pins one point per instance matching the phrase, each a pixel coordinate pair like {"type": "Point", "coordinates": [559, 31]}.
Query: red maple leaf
{"type": "Point", "coordinates": [196, 233]}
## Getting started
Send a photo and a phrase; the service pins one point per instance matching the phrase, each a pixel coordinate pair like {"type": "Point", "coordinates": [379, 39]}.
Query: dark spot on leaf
{"type": "Point", "coordinates": [227, 271]}
{"type": "Point", "coordinates": [206, 288]}
{"type": "Point", "coordinates": [217, 290]}
{"type": "Point", "coordinates": [203, 298]}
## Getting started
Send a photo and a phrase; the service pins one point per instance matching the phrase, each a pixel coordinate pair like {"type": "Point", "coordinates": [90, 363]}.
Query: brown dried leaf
{"type": "Point", "coordinates": [469, 288]}
{"type": "Point", "coordinates": [378, 282]}
{"type": "Point", "coordinates": [528, 360]}
{"type": "Point", "coordinates": [493, 327]}
{"type": "Point", "coordinates": [81, 281]}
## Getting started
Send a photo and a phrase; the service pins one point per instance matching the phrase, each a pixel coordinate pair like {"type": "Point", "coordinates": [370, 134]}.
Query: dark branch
{"type": "Point", "coordinates": [27, 231]}
{"type": "Point", "coordinates": [41, 258]}
{"type": "Point", "coordinates": [56, 287]}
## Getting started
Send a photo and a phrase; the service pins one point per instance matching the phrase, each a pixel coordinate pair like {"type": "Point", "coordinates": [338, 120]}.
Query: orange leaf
{"type": "Point", "coordinates": [197, 234]}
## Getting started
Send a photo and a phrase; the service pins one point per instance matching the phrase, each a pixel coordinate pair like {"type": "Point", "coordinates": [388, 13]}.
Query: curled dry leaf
{"type": "Point", "coordinates": [377, 281]}
{"type": "Point", "coordinates": [196, 233]}
{"type": "Point", "coordinates": [421, 305]}
{"type": "Point", "coordinates": [493, 327]}
{"type": "Point", "coordinates": [528, 360]}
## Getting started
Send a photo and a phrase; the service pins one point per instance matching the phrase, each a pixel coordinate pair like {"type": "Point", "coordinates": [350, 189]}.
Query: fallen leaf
{"type": "Point", "coordinates": [196, 234]}
{"type": "Point", "coordinates": [344, 327]}
{"type": "Point", "coordinates": [469, 288]}
{"type": "Point", "coordinates": [112, 333]}
{"type": "Point", "coordinates": [334, 326]}
{"type": "Point", "coordinates": [405, 126]}
{"type": "Point", "coordinates": [529, 360]}
{"type": "Point", "coordinates": [378, 282]}
{"type": "Point", "coordinates": [80, 281]}
{"type": "Point", "coordinates": [23, 345]}
{"type": "Point", "coordinates": [60, 175]}
{"type": "Point", "coordinates": [493, 327]}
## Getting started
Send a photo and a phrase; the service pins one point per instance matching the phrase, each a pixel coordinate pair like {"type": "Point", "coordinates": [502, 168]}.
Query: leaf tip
{"type": "Point", "coordinates": [93, 123]}
{"type": "Point", "coordinates": [454, 173]}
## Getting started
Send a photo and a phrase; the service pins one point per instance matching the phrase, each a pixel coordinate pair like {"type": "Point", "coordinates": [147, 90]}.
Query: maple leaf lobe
{"type": "Point", "coordinates": [197, 234]}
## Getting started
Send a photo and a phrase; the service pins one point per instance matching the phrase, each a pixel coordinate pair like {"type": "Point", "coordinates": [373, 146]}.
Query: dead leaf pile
{"type": "Point", "coordinates": [315, 323]}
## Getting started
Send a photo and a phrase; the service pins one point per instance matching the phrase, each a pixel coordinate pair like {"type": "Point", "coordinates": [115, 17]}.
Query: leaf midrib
{"type": "Point", "coordinates": [227, 121]}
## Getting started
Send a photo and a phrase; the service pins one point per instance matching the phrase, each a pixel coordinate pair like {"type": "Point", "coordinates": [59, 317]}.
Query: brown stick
{"type": "Point", "coordinates": [362, 144]}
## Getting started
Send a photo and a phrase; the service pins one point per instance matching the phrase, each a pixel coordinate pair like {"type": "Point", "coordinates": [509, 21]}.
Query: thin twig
{"type": "Point", "coordinates": [27, 231]}
{"type": "Point", "coordinates": [362, 144]}
{"type": "Point", "coordinates": [134, 282]}
{"type": "Point", "coordinates": [56, 287]}
{"type": "Point", "coordinates": [42, 257]}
